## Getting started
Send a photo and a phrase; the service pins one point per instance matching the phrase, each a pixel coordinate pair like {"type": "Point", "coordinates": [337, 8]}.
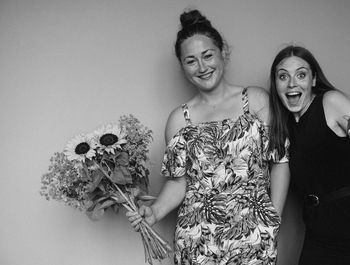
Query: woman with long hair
{"type": "Point", "coordinates": [309, 111]}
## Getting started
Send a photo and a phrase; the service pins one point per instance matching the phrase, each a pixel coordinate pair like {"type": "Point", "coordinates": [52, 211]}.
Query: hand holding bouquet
{"type": "Point", "coordinates": [106, 169]}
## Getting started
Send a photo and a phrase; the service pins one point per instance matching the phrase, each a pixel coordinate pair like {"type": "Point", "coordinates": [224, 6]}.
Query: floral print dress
{"type": "Point", "coordinates": [227, 216]}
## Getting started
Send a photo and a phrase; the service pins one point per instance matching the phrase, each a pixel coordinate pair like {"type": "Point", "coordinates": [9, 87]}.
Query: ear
{"type": "Point", "coordinates": [225, 52]}
{"type": "Point", "coordinates": [314, 81]}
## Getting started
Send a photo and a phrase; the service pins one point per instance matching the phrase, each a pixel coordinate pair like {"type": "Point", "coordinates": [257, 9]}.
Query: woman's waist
{"type": "Point", "coordinates": [232, 200]}
{"type": "Point", "coordinates": [227, 190]}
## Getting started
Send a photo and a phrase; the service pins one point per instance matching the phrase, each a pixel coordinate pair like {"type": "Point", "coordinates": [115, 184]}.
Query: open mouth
{"type": "Point", "coordinates": [206, 76]}
{"type": "Point", "coordinates": [293, 97]}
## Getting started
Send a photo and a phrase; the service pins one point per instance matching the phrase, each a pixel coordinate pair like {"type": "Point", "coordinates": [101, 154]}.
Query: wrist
{"type": "Point", "coordinates": [156, 211]}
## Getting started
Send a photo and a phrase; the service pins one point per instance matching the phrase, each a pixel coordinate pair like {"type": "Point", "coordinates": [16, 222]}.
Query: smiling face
{"type": "Point", "coordinates": [202, 62]}
{"type": "Point", "coordinates": [294, 83]}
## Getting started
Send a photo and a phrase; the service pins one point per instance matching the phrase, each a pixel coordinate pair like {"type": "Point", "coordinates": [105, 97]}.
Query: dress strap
{"type": "Point", "coordinates": [186, 113]}
{"type": "Point", "coordinates": [245, 100]}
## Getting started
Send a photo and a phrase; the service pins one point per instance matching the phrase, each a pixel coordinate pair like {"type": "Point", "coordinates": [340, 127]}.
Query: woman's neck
{"type": "Point", "coordinates": [217, 95]}
{"type": "Point", "coordinates": [302, 112]}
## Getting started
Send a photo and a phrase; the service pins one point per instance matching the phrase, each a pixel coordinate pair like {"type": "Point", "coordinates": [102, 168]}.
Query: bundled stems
{"type": "Point", "coordinates": [155, 246]}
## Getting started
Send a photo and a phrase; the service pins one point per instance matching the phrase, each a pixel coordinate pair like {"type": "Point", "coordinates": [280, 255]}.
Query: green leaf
{"type": "Point", "coordinates": [135, 191]}
{"type": "Point", "coordinates": [140, 194]}
{"type": "Point", "coordinates": [121, 176]}
{"type": "Point", "coordinates": [95, 214]}
{"type": "Point", "coordinates": [127, 175]}
{"type": "Point", "coordinates": [146, 197]}
{"type": "Point", "coordinates": [84, 173]}
{"type": "Point", "coordinates": [97, 209]}
{"type": "Point", "coordinates": [123, 159]}
{"type": "Point", "coordinates": [117, 177]}
{"type": "Point", "coordinates": [116, 208]}
{"type": "Point", "coordinates": [105, 204]}
{"type": "Point", "coordinates": [96, 177]}
{"type": "Point", "coordinates": [118, 198]}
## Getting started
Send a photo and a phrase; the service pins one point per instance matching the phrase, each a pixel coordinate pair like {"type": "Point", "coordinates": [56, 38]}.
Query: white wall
{"type": "Point", "coordinates": [70, 66]}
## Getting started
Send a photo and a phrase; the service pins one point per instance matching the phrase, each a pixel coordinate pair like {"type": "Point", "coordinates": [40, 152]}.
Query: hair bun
{"type": "Point", "coordinates": [192, 18]}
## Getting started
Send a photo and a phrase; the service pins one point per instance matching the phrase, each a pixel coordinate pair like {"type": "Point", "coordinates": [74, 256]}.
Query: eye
{"type": "Point", "coordinates": [208, 56]}
{"type": "Point", "coordinates": [301, 75]}
{"type": "Point", "coordinates": [189, 61]}
{"type": "Point", "coordinates": [282, 77]}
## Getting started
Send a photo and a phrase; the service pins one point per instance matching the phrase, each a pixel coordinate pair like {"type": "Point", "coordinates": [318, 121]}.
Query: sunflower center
{"type": "Point", "coordinates": [82, 148]}
{"type": "Point", "coordinates": [108, 139]}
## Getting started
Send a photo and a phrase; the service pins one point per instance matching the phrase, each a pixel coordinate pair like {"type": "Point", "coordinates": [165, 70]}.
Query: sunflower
{"type": "Point", "coordinates": [80, 147]}
{"type": "Point", "coordinates": [108, 138]}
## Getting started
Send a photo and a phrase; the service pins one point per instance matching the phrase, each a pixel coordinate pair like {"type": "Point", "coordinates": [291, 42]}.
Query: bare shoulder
{"type": "Point", "coordinates": [335, 98]}
{"type": "Point", "coordinates": [336, 107]}
{"type": "Point", "coordinates": [258, 99]}
{"type": "Point", "coordinates": [174, 123]}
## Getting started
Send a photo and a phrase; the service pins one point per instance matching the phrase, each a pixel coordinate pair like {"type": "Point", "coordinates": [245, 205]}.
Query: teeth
{"type": "Point", "coordinates": [293, 94]}
{"type": "Point", "coordinates": [206, 75]}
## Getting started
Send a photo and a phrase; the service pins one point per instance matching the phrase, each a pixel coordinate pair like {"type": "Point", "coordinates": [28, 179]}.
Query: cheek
{"type": "Point", "coordinates": [188, 71]}
{"type": "Point", "coordinates": [220, 67]}
{"type": "Point", "coordinates": [281, 89]}
{"type": "Point", "coordinates": [220, 64]}
{"type": "Point", "coordinates": [281, 96]}
{"type": "Point", "coordinates": [307, 84]}
{"type": "Point", "coordinates": [280, 86]}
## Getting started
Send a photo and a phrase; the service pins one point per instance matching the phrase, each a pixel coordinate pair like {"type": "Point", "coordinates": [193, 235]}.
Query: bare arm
{"type": "Point", "coordinates": [280, 176]}
{"type": "Point", "coordinates": [259, 105]}
{"type": "Point", "coordinates": [170, 197]}
{"type": "Point", "coordinates": [174, 189]}
{"type": "Point", "coordinates": [258, 99]}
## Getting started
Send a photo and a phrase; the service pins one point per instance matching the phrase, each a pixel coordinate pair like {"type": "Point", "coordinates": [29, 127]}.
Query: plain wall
{"type": "Point", "coordinates": [70, 66]}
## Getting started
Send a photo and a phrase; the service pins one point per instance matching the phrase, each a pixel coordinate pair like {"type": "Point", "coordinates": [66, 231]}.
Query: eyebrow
{"type": "Point", "coordinates": [302, 67]}
{"type": "Point", "coordinates": [203, 52]}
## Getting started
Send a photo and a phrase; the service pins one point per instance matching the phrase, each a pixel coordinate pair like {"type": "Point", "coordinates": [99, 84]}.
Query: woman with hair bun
{"type": "Point", "coordinates": [230, 189]}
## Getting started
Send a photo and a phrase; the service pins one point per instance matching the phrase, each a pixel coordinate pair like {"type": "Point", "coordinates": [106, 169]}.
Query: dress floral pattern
{"type": "Point", "coordinates": [227, 216]}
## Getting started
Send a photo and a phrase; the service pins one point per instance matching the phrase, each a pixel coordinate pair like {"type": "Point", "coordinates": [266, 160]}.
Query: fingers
{"type": "Point", "coordinates": [132, 215]}
{"type": "Point", "coordinates": [146, 211]}
{"type": "Point", "coordinates": [143, 213]}
{"type": "Point", "coordinates": [135, 219]}
{"type": "Point", "coordinates": [136, 224]}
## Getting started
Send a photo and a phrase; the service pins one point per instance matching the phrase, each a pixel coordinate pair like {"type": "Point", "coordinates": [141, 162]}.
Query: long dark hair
{"type": "Point", "coordinates": [193, 22]}
{"type": "Point", "coordinates": [279, 114]}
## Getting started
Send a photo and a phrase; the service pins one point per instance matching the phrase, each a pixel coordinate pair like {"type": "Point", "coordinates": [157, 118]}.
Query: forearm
{"type": "Point", "coordinates": [170, 197]}
{"type": "Point", "coordinates": [279, 185]}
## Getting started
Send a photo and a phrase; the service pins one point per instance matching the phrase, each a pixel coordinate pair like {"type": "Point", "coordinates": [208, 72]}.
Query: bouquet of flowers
{"type": "Point", "coordinates": [106, 169]}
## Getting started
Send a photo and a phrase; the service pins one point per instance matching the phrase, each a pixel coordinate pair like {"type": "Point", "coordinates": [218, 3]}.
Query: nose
{"type": "Point", "coordinates": [291, 82]}
{"type": "Point", "coordinates": [202, 66]}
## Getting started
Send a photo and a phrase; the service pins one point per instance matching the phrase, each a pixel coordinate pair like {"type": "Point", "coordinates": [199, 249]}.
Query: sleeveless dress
{"type": "Point", "coordinates": [227, 216]}
{"type": "Point", "coordinates": [320, 164]}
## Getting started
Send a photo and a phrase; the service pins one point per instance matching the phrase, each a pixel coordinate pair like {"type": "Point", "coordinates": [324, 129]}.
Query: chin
{"type": "Point", "coordinates": [206, 87]}
{"type": "Point", "coordinates": [294, 111]}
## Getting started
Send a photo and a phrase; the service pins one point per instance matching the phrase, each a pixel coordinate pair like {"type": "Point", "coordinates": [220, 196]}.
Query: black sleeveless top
{"type": "Point", "coordinates": [319, 159]}
{"type": "Point", "coordinates": [319, 164]}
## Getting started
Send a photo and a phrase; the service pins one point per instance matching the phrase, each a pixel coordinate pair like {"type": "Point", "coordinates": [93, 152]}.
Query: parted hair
{"type": "Point", "coordinates": [279, 114]}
